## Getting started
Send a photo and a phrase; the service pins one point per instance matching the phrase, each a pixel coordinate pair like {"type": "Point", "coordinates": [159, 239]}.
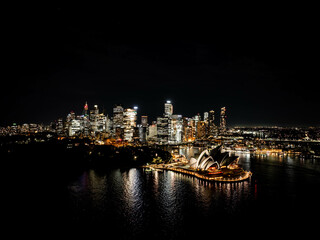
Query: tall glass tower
{"type": "Point", "coordinates": [129, 122]}
{"type": "Point", "coordinates": [168, 109]}
{"type": "Point", "coordinates": [223, 123]}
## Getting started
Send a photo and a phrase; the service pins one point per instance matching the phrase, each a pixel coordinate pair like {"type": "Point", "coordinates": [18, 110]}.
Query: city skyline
{"type": "Point", "coordinates": [262, 70]}
{"type": "Point", "coordinates": [123, 124]}
{"type": "Point", "coordinates": [126, 126]}
{"type": "Point", "coordinates": [79, 109]}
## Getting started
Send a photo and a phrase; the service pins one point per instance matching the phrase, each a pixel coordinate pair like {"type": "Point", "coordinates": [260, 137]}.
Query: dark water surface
{"type": "Point", "coordinates": [281, 197]}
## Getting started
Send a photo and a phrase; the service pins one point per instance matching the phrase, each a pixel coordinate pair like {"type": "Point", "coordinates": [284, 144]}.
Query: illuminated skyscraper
{"type": "Point", "coordinates": [152, 132]}
{"type": "Point", "coordinates": [117, 116]}
{"type": "Point", "coordinates": [95, 110]}
{"type": "Point", "coordinates": [164, 124]}
{"type": "Point", "coordinates": [102, 123]}
{"type": "Point", "coordinates": [162, 130]}
{"type": "Point", "coordinates": [94, 116]}
{"type": "Point", "coordinates": [71, 116]}
{"type": "Point", "coordinates": [59, 127]}
{"type": "Point", "coordinates": [201, 129]}
{"type": "Point", "coordinates": [84, 121]}
{"type": "Point", "coordinates": [196, 119]}
{"type": "Point", "coordinates": [118, 121]}
{"type": "Point", "coordinates": [108, 124]}
{"type": "Point", "coordinates": [211, 118]}
{"type": "Point", "coordinates": [85, 125]}
{"type": "Point", "coordinates": [129, 122]}
{"type": "Point", "coordinates": [168, 109]}
{"type": "Point", "coordinates": [175, 129]}
{"type": "Point", "coordinates": [223, 116]}
{"type": "Point", "coordinates": [143, 129]}
{"type": "Point", "coordinates": [189, 130]}
{"type": "Point", "coordinates": [206, 116]}
{"type": "Point", "coordinates": [212, 128]}
{"type": "Point", "coordinates": [74, 127]}
{"type": "Point", "coordinates": [185, 121]}
{"type": "Point", "coordinates": [144, 121]}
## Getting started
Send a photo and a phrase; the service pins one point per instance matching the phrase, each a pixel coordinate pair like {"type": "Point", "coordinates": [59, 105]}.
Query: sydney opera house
{"type": "Point", "coordinates": [212, 165]}
{"type": "Point", "coordinates": [214, 158]}
{"type": "Point", "coordinates": [215, 165]}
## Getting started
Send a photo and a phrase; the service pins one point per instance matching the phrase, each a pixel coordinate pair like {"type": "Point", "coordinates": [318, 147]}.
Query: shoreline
{"type": "Point", "coordinates": [243, 177]}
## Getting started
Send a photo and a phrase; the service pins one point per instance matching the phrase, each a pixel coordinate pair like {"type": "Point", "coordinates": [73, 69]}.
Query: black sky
{"type": "Point", "coordinates": [260, 64]}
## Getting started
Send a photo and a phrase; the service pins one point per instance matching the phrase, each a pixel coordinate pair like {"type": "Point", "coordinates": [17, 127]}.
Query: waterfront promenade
{"type": "Point", "coordinates": [244, 175]}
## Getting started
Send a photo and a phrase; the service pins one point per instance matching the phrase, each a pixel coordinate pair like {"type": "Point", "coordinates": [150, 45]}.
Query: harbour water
{"type": "Point", "coordinates": [135, 203]}
{"type": "Point", "coordinates": [282, 196]}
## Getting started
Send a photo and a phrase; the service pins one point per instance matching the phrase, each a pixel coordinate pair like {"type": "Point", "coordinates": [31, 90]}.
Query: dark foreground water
{"type": "Point", "coordinates": [281, 197]}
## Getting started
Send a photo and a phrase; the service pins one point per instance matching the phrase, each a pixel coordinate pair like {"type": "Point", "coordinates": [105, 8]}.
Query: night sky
{"type": "Point", "coordinates": [260, 66]}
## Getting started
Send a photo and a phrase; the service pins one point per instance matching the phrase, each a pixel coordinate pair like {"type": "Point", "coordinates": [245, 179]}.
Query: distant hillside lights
{"type": "Point", "coordinates": [122, 126]}
{"type": "Point", "coordinates": [26, 128]}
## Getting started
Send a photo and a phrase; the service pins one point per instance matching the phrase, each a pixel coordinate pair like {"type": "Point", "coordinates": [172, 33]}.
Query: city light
{"type": "Point", "coordinates": [171, 128]}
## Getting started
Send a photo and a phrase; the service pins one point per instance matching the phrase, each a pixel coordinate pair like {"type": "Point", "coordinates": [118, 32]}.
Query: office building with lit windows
{"type": "Point", "coordinates": [201, 129]}
{"type": "Point", "coordinates": [129, 123]}
{"type": "Point", "coordinates": [118, 121]}
{"type": "Point", "coordinates": [74, 127]}
{"type": "Point", "coordinates": [144, 121]}
{"type": "Point", "coordinates": [94, 115]}
{"type": "Point", "coordinates": [175, 129]}
{"type": "Point", "coordinates": [223, 123]}
{"type": "Point", "coordinates": [162, 130]}
{"type": "Point", "coordinates": [152, 132]}
{"type": "Point", "coordinates": [168, 109]}
{"type": "Point", "coordinates": [212, 128]}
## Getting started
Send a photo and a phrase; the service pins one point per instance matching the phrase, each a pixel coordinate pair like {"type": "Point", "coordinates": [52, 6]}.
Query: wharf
{"type": "Point", "coordinates": [205, 176]}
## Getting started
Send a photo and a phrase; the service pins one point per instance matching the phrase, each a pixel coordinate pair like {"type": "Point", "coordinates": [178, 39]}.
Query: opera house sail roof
{"type": "Point", "coordinates": [215, 157]}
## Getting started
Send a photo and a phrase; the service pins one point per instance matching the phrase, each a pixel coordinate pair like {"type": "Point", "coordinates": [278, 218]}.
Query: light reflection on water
{"type": "Point", "coordinates": [136, 198]}
{"type": "Point", "coordinates": [168, 204]}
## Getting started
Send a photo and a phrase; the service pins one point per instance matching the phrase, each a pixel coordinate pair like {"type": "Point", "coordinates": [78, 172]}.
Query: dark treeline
{"type": "Point", "coordinates": [70, 157]}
